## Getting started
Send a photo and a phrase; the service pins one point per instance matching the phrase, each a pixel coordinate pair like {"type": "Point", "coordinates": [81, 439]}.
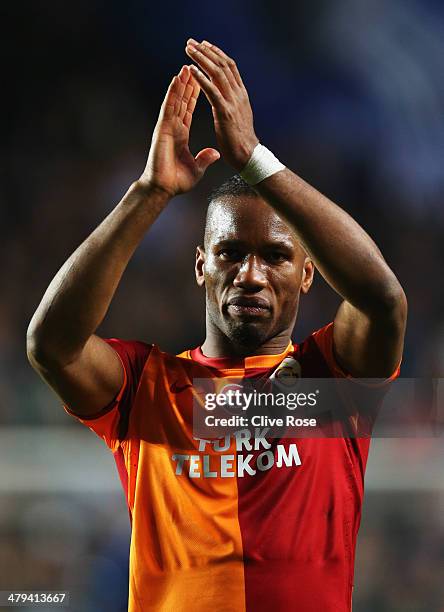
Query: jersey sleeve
{"type": "Point", "coordinates": [111, 422]}
{"type": "Point", "coordinates": [324, 341]}
{"type": "Point", "coordinates": [361, 398]}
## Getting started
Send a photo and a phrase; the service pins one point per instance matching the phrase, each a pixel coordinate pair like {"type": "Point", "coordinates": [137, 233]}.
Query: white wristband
{"type": "Point", "coordinates": [260, 166]}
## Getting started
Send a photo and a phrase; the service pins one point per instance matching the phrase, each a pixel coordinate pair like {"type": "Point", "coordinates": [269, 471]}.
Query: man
{"type": "Point", "coordinates": [214, 527]}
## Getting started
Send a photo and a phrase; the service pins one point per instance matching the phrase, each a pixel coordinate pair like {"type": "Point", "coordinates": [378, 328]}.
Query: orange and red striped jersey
{"type": "Point", "coordinates": [218, 528]}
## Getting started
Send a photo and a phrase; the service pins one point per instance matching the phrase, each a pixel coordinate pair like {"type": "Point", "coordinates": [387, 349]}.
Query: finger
{"type": "Point", "coordinates": [186, 98]}
{"type": "Point", "coordinates": [205, 158]}
{"type": "Point", "coordinates": [184, 74]}
{"type": "Point", "coordinates": [218, 60]}
{"type": "Point", "coordinates": [168, 104]}
{"type": "Point", "coordinates": [210, 90]}
{"type": "Point", "coordinates": [183, 78]}
{"type": "Point", "coordinates": [172, 102]}
{"type": "Point", "coordinates": [231, 64]}
{"type": "Point", "coordinates": [191, 103]}
{"type": "Point", "coordinates": [215, 73]}
{"type": "Point", "coordinates": [196, 90]}
{"type": "Point", "coordinates": [222, 61]}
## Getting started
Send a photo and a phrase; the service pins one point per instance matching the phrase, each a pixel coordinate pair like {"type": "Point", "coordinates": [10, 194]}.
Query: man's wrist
{"type": "Point", "coordinates": [244, 153]}
{"type": "Point", "coordinates": [261, 164]}
{"type": "Point", "coordinates": [149, 191]}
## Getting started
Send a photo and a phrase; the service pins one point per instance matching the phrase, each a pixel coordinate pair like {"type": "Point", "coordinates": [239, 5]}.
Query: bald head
{"type": "Point", "coordinates": [246, 219]}
{"type": "Point", "coordinates": [233, 188]}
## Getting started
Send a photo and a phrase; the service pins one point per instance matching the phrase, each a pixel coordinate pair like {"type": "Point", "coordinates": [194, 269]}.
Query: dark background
{"type": "Point", "coordinates": [349, 94]}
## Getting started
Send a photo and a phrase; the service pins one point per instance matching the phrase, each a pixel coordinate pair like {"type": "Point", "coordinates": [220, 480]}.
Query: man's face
{"type": "Point", "coordinates": [253, 269]}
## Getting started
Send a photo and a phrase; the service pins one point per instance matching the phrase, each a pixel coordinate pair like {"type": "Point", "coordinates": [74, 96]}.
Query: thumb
{"type": "Point", "coordinates": [205, 158]}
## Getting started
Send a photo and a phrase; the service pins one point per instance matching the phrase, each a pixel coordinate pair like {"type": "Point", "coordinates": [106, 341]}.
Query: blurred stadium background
{"type": "Point", "coordinates": [347, 93]}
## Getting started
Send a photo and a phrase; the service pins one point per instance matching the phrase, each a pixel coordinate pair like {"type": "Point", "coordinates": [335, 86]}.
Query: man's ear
{"type": "Point", "coordinates": [307, 275]}
{"type": "Point", "coordinates": [199, 268]}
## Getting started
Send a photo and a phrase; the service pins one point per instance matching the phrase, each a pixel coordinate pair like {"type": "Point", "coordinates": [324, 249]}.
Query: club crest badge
{"type": "Point", "coordinates": [288, 373]}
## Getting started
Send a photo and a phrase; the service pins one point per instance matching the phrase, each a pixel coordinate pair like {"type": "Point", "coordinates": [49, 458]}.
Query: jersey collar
{"type": "Point", "coordinates": [239, 363]}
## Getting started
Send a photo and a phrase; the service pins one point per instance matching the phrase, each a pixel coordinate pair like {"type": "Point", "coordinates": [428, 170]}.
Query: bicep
{"type": "Point", "coordinates": [91, 381]}
{"type": "Point", "coordinates": [369, 346]}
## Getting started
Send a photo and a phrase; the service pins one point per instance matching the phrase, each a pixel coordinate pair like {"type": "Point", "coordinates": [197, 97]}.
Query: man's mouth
{"type": "Point", "coordinates": [248, 307]}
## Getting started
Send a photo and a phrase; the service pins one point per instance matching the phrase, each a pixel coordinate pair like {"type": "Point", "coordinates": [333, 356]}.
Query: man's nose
{"type": "Point", "coordinates": [250, 276]}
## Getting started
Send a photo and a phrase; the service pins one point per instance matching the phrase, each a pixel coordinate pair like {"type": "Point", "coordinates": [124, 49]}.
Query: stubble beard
{"type": "Point", "coordinates": [245, 336]}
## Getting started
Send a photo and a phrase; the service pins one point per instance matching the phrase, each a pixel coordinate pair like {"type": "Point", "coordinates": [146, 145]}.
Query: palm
{"type": "Point", "coordinates": [172, 162]}
{"type": "Point", "coordinates": [187, 170]}
{"type": "Point", "coordinates": [171, 165]}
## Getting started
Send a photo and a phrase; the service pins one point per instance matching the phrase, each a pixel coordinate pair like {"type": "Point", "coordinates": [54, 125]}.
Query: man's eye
{"type": "Point", "coordinates": [229, 254]}
{"type": "Point", "coordinates": [276, 256]}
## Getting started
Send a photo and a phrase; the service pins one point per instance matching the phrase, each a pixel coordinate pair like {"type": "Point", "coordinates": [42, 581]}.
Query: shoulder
{"type": "Point", "coordinates": [316, 354]}
{"type": "Point", "coordinates": [131, 347]}
{"type": "Point", "coordinates": [136, 355]}
{"type": "Point", "coordinates": [132, 353]}
{"type": "Point", "coordinates": [317, 357]}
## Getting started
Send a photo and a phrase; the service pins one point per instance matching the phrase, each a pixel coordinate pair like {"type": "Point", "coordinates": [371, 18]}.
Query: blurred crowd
{"type": "Point", "coordinates": [347, 94]}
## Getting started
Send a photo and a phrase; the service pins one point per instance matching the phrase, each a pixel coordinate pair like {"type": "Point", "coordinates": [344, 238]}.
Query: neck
{"type": "Point", "coordinates": [218, 344]}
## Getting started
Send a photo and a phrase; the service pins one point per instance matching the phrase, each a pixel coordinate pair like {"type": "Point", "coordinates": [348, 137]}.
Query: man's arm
{"type": "Point", "coordinates": [81, 367]}
{"type": "Point", "coordinates": [368, 331]}
{"type": "Point", "coordinates": [370, 323]}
